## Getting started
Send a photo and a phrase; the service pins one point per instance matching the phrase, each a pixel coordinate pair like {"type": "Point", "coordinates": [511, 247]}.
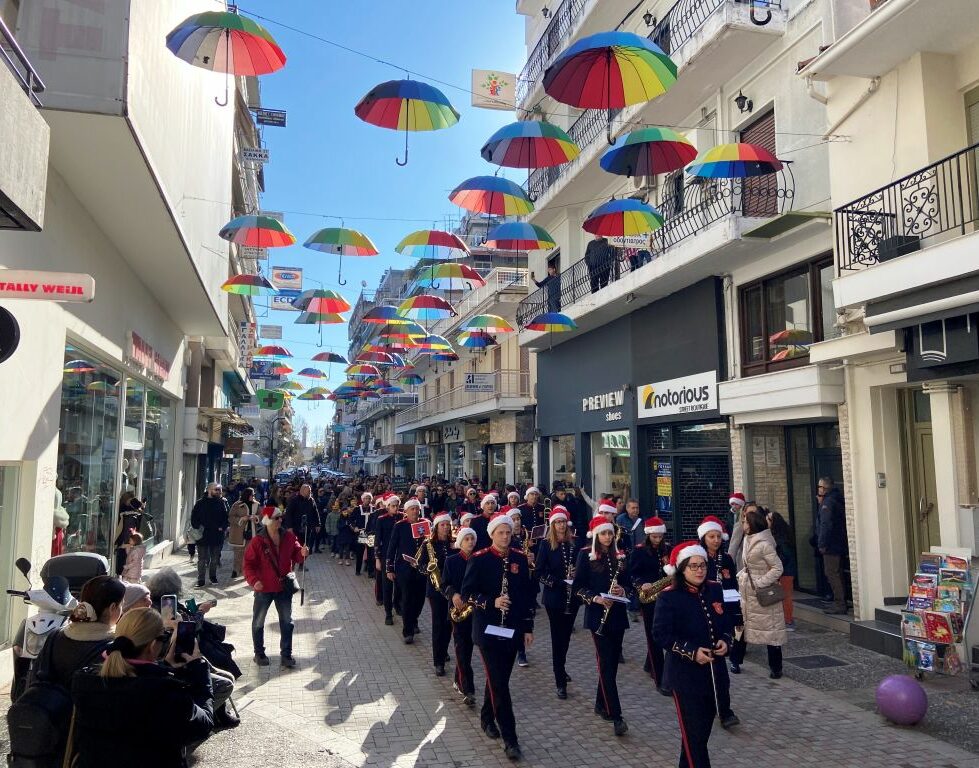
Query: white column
{"type": "Point", "coordinates": [943, 413]}
{"type": "Point", "coordinates": [511, 463]}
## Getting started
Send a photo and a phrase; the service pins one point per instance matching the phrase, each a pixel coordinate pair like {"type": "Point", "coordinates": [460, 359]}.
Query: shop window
{"type": "Point", "coordinates": [496, 470]}
{"type": "Point", "coordinates": [782, 315]}
{"type": "Point", "coordinates": [701, 436]}
{"type": "Point", "coordinates": [563, 459]}
{"type": "Point", "coordinates": [610, 456]}
{"type": "Point", "coordinates": [524, 459]}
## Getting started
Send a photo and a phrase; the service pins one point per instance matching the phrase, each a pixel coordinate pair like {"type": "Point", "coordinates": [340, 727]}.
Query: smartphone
{"type": "Point", "coordinates": [191, 605]}
{"type": "Point", "coordinates": [186, 632]}
{"type": "Point", "coordinates": [168, 607]}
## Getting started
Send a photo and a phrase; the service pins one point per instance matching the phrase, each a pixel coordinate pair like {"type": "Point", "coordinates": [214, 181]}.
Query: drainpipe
{"type": "Point", "coordinates": [813, 93]}
{"type": "Point", "coordinates": [871, 90]}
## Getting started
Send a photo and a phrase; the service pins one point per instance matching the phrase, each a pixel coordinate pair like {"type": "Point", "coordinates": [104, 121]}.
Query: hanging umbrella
{"type": "Point", "coordinates": [407, 368]}
{"type": "Point", "coordinates": [319, 318]}
{"type": "Point", "coordinates": [280, 370]}
{"type": "Point", "coordinates": [434, 343]}
{"type": "Point", "coordinates": [447, 357]}
{"type": "Point", "coordinates": [610, 70]}
{"type": "Point", "coordinates": [342, 242]}
{"type": "Point", "coordinates": [224, 41]}
{"type": "Point", "coordinates": [385, 313]}
{"type": "Point", "coordinates": [476, 340]}
{"type": "Point", "coordinates": [432, 244]}
{"type": "Point", "coordinates": [271, 350]}
{"type": "Point", "coordinates": [426, 308]}
{"type": "Point", "coordinates": [488, 324]}
{"type": "Point", "coordinates": [621, 218]}
{"type": "Point", "coordinates": [292, 386]}
{"type": "Point", "coordinates": [321, 300]}
{"type": "Point", "coordinates": [368, 394]}
{"type": "Point", "coordinates": [390, 389]}
{"type": "Point", "coordinates": [734, 161]}
{"type": "Point", "coordinates": [406, 105]}
{"type": "Point", "coordinates": [553, 322]}
{"type": "Point", "coordinates": [318, 391]}
{"type": "Point", "coordinates": [99, 387]}
{"type": "Point", "coordinates": [258, 232]}
{"type": "Point", "coordinates": [648, 152]}
{"type": "Point", "coordinates": [430, 276]}
{"type": "Point", "coordinates": [329, 357]}
{"type": "Point", "coordinates": [529, 144]}
{"type": "Point", "coordinates": [311, 396]}
{"type": "Point", "coordinates": [519, 236]}
{"type": "Point", "coordinates": [378, 358]}
{"type": "Point", "coordinates": [362, 369]}
{"type": "Point", "coordinates": [411, 379]}
{"type": "Point", "coordinates": [493, 195]}
{"type": "Point", "coordinates": [312, 373]}
{"type": "Point", "coordinates": [248, 285]}
{"type": "Point", "coordinates": [79, 366]}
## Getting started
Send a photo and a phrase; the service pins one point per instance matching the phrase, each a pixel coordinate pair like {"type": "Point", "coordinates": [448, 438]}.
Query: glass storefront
{"type": "Point", "coordinates": [496, 465]}
{"type": "Point", "coordinates": [563, 459]}
{"type": "Point", "coordinates": [524, 459]}
{"type": "Point", "coordinates": [456, 460]}
{"type": "Point", "coordinates": [610, 454]}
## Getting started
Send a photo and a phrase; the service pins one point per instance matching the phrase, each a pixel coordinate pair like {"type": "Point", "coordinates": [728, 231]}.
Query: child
{"type": "Point", "coordinates": [345, 534]}
{"type": "Point", "coordinates": [132, 571]}
{"type": "Point", "coordinates": [331, 527]}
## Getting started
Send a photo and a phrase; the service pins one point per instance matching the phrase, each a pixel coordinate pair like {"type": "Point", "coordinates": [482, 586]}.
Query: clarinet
{"type": "Point", "coordinates": [504, 591]}
{"type": "Point", "coordinates": [608, 608]}
{"type": "Point", "coordinates": [569, 575]}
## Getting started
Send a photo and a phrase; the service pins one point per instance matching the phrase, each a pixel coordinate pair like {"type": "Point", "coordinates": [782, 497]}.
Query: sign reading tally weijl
{"type": "Point", "coordinates": [687, 394]}
{"type": "Point", "coordinates": [46, 286]}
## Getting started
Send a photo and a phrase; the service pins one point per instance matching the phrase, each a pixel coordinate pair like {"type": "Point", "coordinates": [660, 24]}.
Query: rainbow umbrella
{"type": "Point", "coordinates": [224, 41]}
{"type": "Point", "coordinates": [280, 370]}
{"type": "Point", "coordinates": [610, 70]}
{"type": "Point", "coordinates": [385, 313]}
{"type": "Point", "coordinates": [99, 387]}
{"type": "Point", "coordinates": [257, 232]}
{"type": "Point", "coordinates": [321, 300]}
{"type": "Point", "coordinates": [493, 195]}
{"type": "Point", "coordinates": [446, 357]}
{"type": "Point", "coordinates": [319, 318]}
{"type": "Point", "coordinates": [390, 389]}
{"type": "Point", "coordinates": [734, 161]}
{"type": "Point", "coordinates": [411, 379]}
{"type": "Point", "coordinates": [311, 396]}
{"type": "Point", "coordinates": [529, 144]}
{"type": "Point", "coordinates": [426, 308]}
{"type": "Point", "coordinates": [434, 343]}
{"type": "Point", "coordinates": [407, 368]}
{"type": "Point", "coordinates": [329, 357]}
{"type": "Point", "coordinates": [271, 350]}
{"type": "Point", "coordinates": [318, 391]}
{"type": "Point", "coordinates": [362, 369]}
{"type": "Point", "coordinates": [312, 373]}
{"type": "Point", "coordinates": [488, 324]}
{"type": "Point", "coordinates": [377, 358]}
{"type": "Point", "coordinates": [291, 386]}
{"type": "Point", "coordinates": [476, 340]}
{"type": "Point", "coordinates": [430, 275]}
{"type": "Point", "coordinates": [406, 105]}
{"type": "Point", "coordinates": [648, 152]}
{"type": "Point", "coordinates": [432, 244]}
{"type": "Point", "coordinates": [368, 394]}
{"type": "Point", "coordinates": [248, 285]}
{"type": "Point", "coordinates": [342, 242]}
{"type": "Point", "coordinates": [553, 322]}
{"type": "Point", "coordinates": [79, 366]}
{"type": "Point", "coordinates": [621, 218]}
{"type": "Point", "coordinates": [519, 236]}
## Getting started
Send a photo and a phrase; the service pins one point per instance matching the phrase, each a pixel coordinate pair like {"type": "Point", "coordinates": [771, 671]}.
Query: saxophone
{"type": "Point", "coordinates": [648, 596]}
{"type": "Point", "coordinates": [608, 608]}
{"type": "Point", "coordinates": [432, 568]}
{"type": "Point", "coordinates": [459, 615]}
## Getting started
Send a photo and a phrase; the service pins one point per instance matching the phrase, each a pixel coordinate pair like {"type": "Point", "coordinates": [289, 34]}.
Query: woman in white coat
{"type": "Point", "coordinates": [763, 624]}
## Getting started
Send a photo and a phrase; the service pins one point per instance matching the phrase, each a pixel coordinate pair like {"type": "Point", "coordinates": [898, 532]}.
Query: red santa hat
{"type": "Point", "coordinates": [595, 527]}
{"type": "Point", "coordinates": [464, 520]}
{"type": "Point", "coordinates": [736, 499]}
{"type": "Point", "coordinates": [653, 525]}
{"type": "Point", "coordinates": [711, 523]}
{"type": "Point", "coordinates": [392, 501]}
{"type": "Point", "coordinates": [463, 532]}
{"type": "Point", "coordinates": [681, 553]}
{"type": "Point", "coordinates": [271, 513]}
{"type": "Point", "coordinates": [496, 521]}
{"type": "Point", "coordinates": [606, 507]}
{"type": "Point", "coordinates": [412, 504]}
{"type": "Point", "coordinates": [488, 497]}
{"type": "Point", "coordinates": [558, 512]}
{"type": "Point", "coordinates": [442, 517]}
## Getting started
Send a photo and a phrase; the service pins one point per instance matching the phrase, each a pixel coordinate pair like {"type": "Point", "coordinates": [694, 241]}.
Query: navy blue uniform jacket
{"type": "Point", "coordinates": [482, 583]}
{"type": "Point", "coordinates": [593, 577]}
{"type": "Point", "coordinates": [453, 574]}
{"type": "Point", "coordinates": [402, 543]}
{"type": "Point", "coordinates": [442, 551]}
{"type": "Point", "coordinates": [552, 571]}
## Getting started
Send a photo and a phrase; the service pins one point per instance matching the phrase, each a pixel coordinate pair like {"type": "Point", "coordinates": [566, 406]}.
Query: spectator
{"type": "Point", "coordinates": [132, 571]}
{"type": "Point", "coordinates": [785, 549]}
{"type": "Point", "coordinates": [552, 287]}
{"type": "Point", "coordinates": [763, 624]}
{"type": "Point", "coordinates": [136, 596]}
{"type": "Point", "coordinates": [831, 539]}
{"type": "Point", "coordinates": [210, 514]}
{"type": "Point", "coordinates": [597, 259]}
{"type": "Point", "coordinates": [301, 514]}
{"type": "Point", "coordinates": [241, 527]}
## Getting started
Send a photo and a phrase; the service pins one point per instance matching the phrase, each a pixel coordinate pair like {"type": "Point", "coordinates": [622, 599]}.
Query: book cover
{"type": "Point", "coordinates": [929, 593]}
{"type": "Point", "coordinates": [920, 603]}
{"type": "Point", "coordinates": [953, 577]}
{"type": "Point", "coordinates": [949, 593]}
{"type": "Point", "coordinates": [925, 580]}
{"type": "Point", "coordinates": [919, 654]}
{"type": "Point", "coordinates": [929, 563]}
{"type": "Point", "coordinates": [913, 625]}
{"type": "Point", "coordinates": [957, 563]}
{"type": "Point", "coordinates": [946, 605]}
{"type": "Point", "coordinates": [938, 627]}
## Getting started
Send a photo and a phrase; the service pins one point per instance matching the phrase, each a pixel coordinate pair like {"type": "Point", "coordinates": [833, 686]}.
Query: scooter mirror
{"type": "Point", "coordinates": [23, 565]}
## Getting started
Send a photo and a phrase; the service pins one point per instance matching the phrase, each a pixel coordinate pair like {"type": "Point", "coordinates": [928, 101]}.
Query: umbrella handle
{"type": "Point", "coordinates": [227, 50]}
{"type": "Point", "coordinates": [755, 20]}
{"type": "Point", "coordinates": [340, 279]}
{"type": "Point", "coordinates": [398, 160]}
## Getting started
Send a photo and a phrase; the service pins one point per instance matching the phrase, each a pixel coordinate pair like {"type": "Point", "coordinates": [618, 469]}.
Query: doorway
{"type": "Point", "coordinates": [920, 514]}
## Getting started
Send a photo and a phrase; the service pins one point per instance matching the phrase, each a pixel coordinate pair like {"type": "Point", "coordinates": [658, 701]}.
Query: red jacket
{"type": "Point", "coordinates": [260, 555]}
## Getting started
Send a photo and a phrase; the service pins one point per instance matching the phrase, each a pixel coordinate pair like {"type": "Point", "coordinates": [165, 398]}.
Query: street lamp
{"type": "Point", "coordinates": [272, 444]}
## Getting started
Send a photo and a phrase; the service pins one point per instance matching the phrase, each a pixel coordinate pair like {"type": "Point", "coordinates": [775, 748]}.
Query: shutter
{"type": "Point", "coordinates": [760, 193]}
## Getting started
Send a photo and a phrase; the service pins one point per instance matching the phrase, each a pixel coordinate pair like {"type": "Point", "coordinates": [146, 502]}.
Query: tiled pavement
{"type": "Point", "coordinates": [360, 697]}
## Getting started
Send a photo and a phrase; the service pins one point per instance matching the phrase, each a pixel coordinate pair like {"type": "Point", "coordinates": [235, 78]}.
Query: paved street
{"type": "Point", "coordinates": [361, 697]}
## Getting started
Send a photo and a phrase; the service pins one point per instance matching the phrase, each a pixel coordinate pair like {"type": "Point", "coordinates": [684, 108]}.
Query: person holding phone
{"type": "Point", "coordinates": [172, 698]}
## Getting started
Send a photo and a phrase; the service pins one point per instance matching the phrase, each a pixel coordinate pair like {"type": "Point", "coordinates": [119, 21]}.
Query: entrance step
{"type": "Point", "coordinates": [881, 636]}
{"type": "Point", "coordinates": [889, 615]}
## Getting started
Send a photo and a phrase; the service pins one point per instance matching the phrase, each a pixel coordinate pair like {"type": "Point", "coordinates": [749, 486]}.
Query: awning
{"type": "Point", "coordinates": [377, 459]}
{"type": "Point", "coordinates": [229, 417]}
{"type": "Point", "coordinates": [924, 305]}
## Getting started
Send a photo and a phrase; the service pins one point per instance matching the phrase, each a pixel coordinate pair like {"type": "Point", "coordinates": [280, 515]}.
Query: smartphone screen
{"type": "Point", "coordinates": [168, 607]}
{"type": "Point", "coordinates": [186, 631]}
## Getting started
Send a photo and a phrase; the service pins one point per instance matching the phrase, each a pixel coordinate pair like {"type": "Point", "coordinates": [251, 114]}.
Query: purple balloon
{"type": "Point", "coordinates": [902, 700]}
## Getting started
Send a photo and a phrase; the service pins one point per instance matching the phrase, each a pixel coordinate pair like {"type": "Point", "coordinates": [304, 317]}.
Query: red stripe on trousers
{"type": "Point", "coordinates": [489, 685]}
{"type": "Point", "coordinates": [683, 731]}
{"type": "Point", "coordinates": [601, 685]}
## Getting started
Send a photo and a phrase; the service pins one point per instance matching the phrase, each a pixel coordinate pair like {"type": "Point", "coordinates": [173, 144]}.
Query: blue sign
{"type": "Point", "coordinates": [262, 369]}
{"type": "Point", "coordinates": [283, 300]}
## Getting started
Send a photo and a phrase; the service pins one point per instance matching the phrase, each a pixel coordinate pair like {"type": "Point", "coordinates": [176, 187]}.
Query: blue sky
{"type": "Point", "coordinates": [327, 161]}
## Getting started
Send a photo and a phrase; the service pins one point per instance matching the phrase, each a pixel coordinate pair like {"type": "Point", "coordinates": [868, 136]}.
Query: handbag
{"type": "Point", "coordinates": [766, 596]}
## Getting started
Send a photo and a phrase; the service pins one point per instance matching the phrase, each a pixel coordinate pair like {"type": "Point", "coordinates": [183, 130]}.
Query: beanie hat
{"type": "Point", "coordinates": [595, 527]}
{"type": "Point", "coordinates": [654, 525]}
{"type": "Point", "coordinates": [442, 517]}
{"type": "Point", "coordinates": [463, 532]}
{"type": "Point", "coordinates": [558, 513]}
{"type": "Point", "coordinates": [496, 521]}
{"type": "Point", "coordinates": [532, 489]}
{"type": "Point", "coordinates": [606, 507]}
{"type": "Point", "coordinates": [737, 499]}
{"type": "Point", "coordinates": [464, 520]}
{"type": "Point", "coordinates": [134, 593]}
{"type": "Point", "coordinates": [412, 504]}
{"type": "Point", "coordinates": [681, 553]}
{"type": "Point", "coordinates": [711, 523]}
{"type": "Point", "coordinates": [487, 497]}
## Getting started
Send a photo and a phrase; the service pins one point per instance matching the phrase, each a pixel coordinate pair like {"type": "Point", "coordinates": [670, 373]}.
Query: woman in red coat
{"type": "Point", "coordinates": [269, 560]}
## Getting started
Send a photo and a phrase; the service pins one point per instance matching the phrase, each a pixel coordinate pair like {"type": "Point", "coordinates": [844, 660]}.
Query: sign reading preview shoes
{"type": "Point", "coordinates": [685, 395]}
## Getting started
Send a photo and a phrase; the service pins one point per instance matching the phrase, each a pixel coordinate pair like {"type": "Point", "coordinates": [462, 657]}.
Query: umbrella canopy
{"type": "Point", "coordinates": [519, 236]}
{"type": "Point", "coordinates": [446, 357]}
{"type": "Point", "coordinates": [258, 232]}
{"type": "Point", "coordinates": [319, 318]}
{"type": "Point", "coordinates": [610, 70]}
{"type": "Point", "coordinates": [378, 358]}
{"type": "Point", "coordinates": [329, 357]}
{"type": "Point", "coordinates": [280, 370]}
{"type": "Point", "coordinates": [648, 152]}
{"type": "Point", "coordinates": [321, 300]}
{"type": "Point", "coordinates": [734, 161]}
{"type": "Point", "coordinates": [224, 41]}
{"type": "Point", "coordinates": [529, 144]}
{"type": "Point", "coordinates": [488, 324]}
{"type": "Point", "coordinates": [434, 343]}
{"type": "Point", "coordinates": [390, 389]}
{"type": "Point", "coordinates": [385, 314]}
{"type": "Point", "coordinates": [79, 366]}
{"type": "Point", "coordinates": [406, 105]}
{"type": "Point", "coordinates": [411, 379]}
{"type": "Point", "coordinates": [430, 276]}
{"type": "Point", "coordinates": [312, 373]}
{"type": "Point", "coordinates": [348, 385]}
{"type": "Point", "coordinates": [248, 285]}
{"type": "Point", "coordinates": [292, 386]}
{"type": "Point", "coordinates": [553, 322]}
{"type": "Point", "coordinates": [368, 394]}
{"type": "Point", "coordinates": [476, 340]}
{"type": "Point", "coordinates": [406, 330]}
{"type": "Point", "coordinates": [432, 244]}
{"type": "Point", "coordinates": [318, 391]}
{"type": "Point", "coordinates": [338, 240]}
{"type": "Point", "coordinates": [620, 218]}
{"type": "Point", "coordinates": [426, 308]}
{"type": "Point", "coordinates": [311, 396]}
{"type": "Point", "coordinates": [271, 350]}
{"type": "Point", "coordinates": [493, 195]}
{"type": "Point", "coordinates": [362, 369]}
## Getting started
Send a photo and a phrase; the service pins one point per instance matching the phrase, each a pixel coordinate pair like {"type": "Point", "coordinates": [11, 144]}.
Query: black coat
{"type": "Point", "coordinates": [591, 579]}
{"type": "Point", "coordinates": [831, 525]}
{"type": "Point", "coordinates": [345, 532]}
{"type": "Point", "coordinates": [552, 569]}
{"type": "Point", "coordinates": [442, 550]}
{"type": "Point", "coordinates": [646, 564]}
{"type": "Point", "coordinates": [723, 570]}
{"type": "Point", "coordinates": [483, 582]}
{"type": "Point", "coordinates": [298, 507]}
{"type": "Point", "coordinates": [402, 543]}
{"type": "Point", "coordinates": [383, 527]}
{"type": "Point", "coordinates": [115, 717]}
{"type": "Point", "coordinates": [212, 515]}
{"type": "Point", "coordinates": [478, 524]}
{"type": "Point", "coordinates": [531, 515]}
{"type": "Point", "coordinates": [453, 574]}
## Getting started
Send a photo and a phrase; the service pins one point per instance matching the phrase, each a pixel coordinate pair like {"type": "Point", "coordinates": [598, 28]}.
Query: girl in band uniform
{"type": "Point", "coordinates": [441, 542]}
{"type": "Point", "coordinates": [645, 569]}
{"type": "Point", "coordinates": [462, 631]}
{"type": "Point", "coordinates": [555, 566]}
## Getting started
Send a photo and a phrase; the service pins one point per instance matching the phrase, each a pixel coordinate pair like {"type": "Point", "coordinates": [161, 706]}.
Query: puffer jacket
{"type": "Point", "coordinates": [763, 625]}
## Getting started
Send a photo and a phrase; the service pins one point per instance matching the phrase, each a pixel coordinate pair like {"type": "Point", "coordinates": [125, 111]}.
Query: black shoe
{"type": "Point", "coordinates": [469, 700]}
{"type": "Point", "coordinates": [664, 691]}
{"type": "Point", "coordinates": [224, 718]}
{"type": "Point", "coordinates": [621, 727]}
{"type": "Point", "coordinates": [562, 692]}
{"type": "Point", "coordinates": [567, 677]}
{"type": "Point", "coordinates": [491, 730]}
{"type": "Point", "coordinates": [522, 659]}
{"type": "Point", "coordinates": [440, 670]}
{"type": "Point", "coordinates": [261, 659]}
{"type": "Point", "coordinates": [409, 639]}
{"type": "Point", "coordinates": [735, 668]}
{"type": "Point", "coordinates": [602, 714]}
{"type": "Point", "coordinates": [234, 574]}
{"type": "Point", "coordinates": [213, 581]}
{"type": "Point", "coordinates": [512, 751]}
{"type": "Point", "coordinates": [730, 720]}
{"type": "Point", "coordinates": [200, 582]}
{"type": "Point", "coordinates": [775, 675]}
{"type": "Point", "coordinates": [389, 621]}
{"type": "Point", "coordinates": [287, 662]}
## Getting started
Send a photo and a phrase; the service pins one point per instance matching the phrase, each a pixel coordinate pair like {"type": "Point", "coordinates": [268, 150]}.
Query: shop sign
{"type": "Point", "coordinates": [287, 278]}
{"type": "Point", "coordinates": [252, 252]}
{"type": "Point", "coordinates": [246, 343]}
{"type": "Point", "coordinates": [46, 286]}
{"type": "Point", "coordinates": [603, 402]}
{"type": "Point", "coordinates": [480, 382]}
{"type": "Point", "coordinates": [283, 301]}
{"type": "Point", "coordinates": [271, 117]}
{"type": "Point", "coordinates": [687, 394]}
{"type": "Point", "coordinates": [494, 89]}
{"type": "Point", "coordinates": [254, 155]}
{"type": "Point", "coordinates": [270, 331]}
{"type": "Point", "coordinates": [453, 433]}
{"type": "Point", "coordinates": [141, 354]}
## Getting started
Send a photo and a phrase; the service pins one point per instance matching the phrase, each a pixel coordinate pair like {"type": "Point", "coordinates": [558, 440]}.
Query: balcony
{"type": "Point", "coordinates": [511, 392]}
{"type": "Point", "coordinates": [26, 136]}
{"type": "Point", "coordinates": [504, 288]}
{"type": "Point", "coordinates": [563, 21]}
{"type": "Point", "coordinates": [387, 404]}
{"type": "Point", "coordinates": [917, 231]}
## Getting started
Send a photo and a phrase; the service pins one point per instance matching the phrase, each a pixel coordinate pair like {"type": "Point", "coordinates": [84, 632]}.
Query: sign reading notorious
{"type": "Point", "coordinates": [685, 395]}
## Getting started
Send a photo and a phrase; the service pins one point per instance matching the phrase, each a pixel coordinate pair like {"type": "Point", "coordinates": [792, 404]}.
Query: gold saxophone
{"type": "Point", "coordinates": [647, 596]}
{"type": "Point", "coordinates": [432, 567]}
{"type": "Point", "coordinates": [459, 615]}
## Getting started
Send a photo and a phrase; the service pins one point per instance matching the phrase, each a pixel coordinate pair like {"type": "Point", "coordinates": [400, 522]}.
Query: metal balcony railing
{"type": "Point", "coordinates": [933, 204]}
{"type": "Point", "coordinates": [506, 383]}
{"type": "Point", "coordinates": [698, 205]}
{"type": "Point", "coordinates": [387, 402]}
{"type": "Point", "coordinates": [550, 44]}
{"type": "Point", "coordinates": [498, 281]}
{"type": "Point", "coordinates": [20, 65]}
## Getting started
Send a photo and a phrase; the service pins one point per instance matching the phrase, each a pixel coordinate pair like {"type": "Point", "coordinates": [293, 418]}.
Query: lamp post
{"type": "Point", "coordinates": [272, 444]}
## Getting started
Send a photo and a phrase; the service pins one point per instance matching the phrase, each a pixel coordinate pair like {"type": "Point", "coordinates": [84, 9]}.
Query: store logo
{"type": "Point", "coordinates": [603, 402]}
{"type": "Point", "coordinates": [688, 394]}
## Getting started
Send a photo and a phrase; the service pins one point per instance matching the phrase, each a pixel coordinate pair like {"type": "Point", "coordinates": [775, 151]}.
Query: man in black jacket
{"type": "Point", "coordinates": [301, 514]}
{"type": "Point", "coordinates": [598, 259]}
{"type": "Point", "coordinates": [831, 539]}
{"type": "Point", "coordinates": [210, 513]}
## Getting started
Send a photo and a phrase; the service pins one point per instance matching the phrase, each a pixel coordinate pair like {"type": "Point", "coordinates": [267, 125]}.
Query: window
{"type": "Point", "coordinates": [782, 315]}
{"type": "Point", "coordinates": [760, 193]}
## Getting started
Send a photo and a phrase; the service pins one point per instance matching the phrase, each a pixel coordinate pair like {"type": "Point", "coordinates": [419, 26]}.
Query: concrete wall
{"type": "Point", "coordinates": [23, 151]}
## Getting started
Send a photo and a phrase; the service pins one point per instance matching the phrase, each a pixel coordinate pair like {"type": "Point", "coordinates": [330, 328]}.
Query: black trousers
{"type": "Point", "coordinates": [561, 625]}
{"type": "Point", "coordinates": [357, 550]}
{"type": "Point", "coordinates": [379, 580]}
{"type": "Point", "coordinates": [608, 650]}
{"type": "Point", "coordinates": [441, 629]}
{"type": "Point", "coordinates": [654, 653]}
{"type": "Point", "coordinates": [775, 658]}
{"type": "Point", "coordinates": [738, 650]}
{"type": "Point", "coordinates": [499, 656]}
{"type": "Point", "coordinates": [462, 638]}
{"type": "Point", "coordinates": [695, 713]}
{"type": "Point", "coordinates": [387, 593]}
{"type": "Point", "coordinates": [368, 560]}
{"type": "Point", "coordinates": [412, 601]}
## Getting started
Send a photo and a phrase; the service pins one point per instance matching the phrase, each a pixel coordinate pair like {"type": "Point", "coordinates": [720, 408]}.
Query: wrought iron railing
{"type": "Point", "coordinates": [506, 383]}
{"type": "Point", "coordinates": [933, 204]}
{"type": "Point", "coordinates": [20, 65]}
{"type": "Point", "coordinates": [550, 44]}
{"type": "Point", "coordinates": [699, 204]}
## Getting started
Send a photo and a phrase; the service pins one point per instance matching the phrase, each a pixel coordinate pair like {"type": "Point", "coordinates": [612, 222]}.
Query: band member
{"type": "Point", "coordinates": [404, 573]}
{"type": "Point", "coordinates": [479, 524]}
{"type": "Point", "coordinates": [462, 631]}
{"type": "Point", "coordinates": [465, 520]}
{"type": "Point", "coordinates": [497, 580]}
{"type": "Point", "coordinates": [645, 570]}
{"type": "Point", "coordinates": [383, 528]}
{"type": "Point", "coordinates": [555, 568]}
{"type": "Point", "coordinates": [520, 539]}
{"type": "Point", "coordinates": [532, 509]}
{"type": "Point", "coordinates": [436, 549]}
{"type": "Point", "coordinates": [512, 501]}
{"type": "Point", "coordinates": [361, 516]}
{"type": "Point", "coordinates": [692, 626]}
{"type": "Point", "coordinates": [601, 570]}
